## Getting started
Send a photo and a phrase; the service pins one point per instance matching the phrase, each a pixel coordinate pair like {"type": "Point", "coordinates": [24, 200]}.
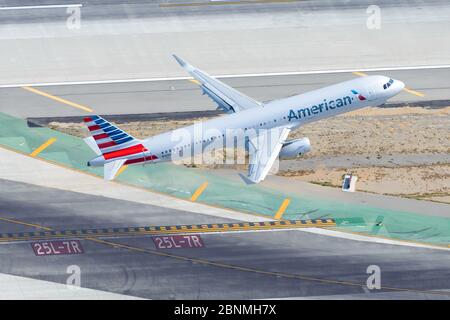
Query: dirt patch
{"type": "Point", "coordinates": [425, 182]}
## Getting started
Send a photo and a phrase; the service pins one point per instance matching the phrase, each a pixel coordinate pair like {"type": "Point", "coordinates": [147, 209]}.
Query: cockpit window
{"type": "Point", "coordinates": [388, 84]}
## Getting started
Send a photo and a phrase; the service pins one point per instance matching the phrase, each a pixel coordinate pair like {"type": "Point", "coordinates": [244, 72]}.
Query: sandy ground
{"type": "Point", "coordinates": [399, 151]}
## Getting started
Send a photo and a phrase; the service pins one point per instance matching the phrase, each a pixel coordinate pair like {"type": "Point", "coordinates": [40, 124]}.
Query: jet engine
{"type": "Point", "coordinates": [295, 148]}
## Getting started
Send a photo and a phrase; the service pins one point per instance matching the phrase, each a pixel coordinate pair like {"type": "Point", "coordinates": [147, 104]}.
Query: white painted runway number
{"type": "Point", "coordinates": [178, 241]}
{"type": "Point", "coordinates": [55, 248]}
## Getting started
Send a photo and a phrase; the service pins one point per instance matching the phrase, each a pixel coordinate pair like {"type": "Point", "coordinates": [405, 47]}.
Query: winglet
{"type": "Point", "coordinates": [179, 60]}
{"type": "Point", "coordinates": [184, 63]}
{"type": "Point", "coordinates": [246, 179]}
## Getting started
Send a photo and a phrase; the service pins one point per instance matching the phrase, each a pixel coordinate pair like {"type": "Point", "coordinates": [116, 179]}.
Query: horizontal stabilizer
{"type": "Point", "coordinates": [111, 168]}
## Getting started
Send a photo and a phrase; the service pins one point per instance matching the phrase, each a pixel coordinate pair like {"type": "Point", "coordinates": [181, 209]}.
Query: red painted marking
{"type": "Point", "coordinates": [106, 144]}
{"type": "Point", "coordinates": [132, 161]}
{"type": "Point", "coordinates": [55, 248]}
{"type": "Point", "coordinates": [88, 119]}
{"type": "Point", "coordinates": [125, 152]}
{"type": "Point", "coordinates": [178, 241]}
{"type": "Point", "coordinates": [94, 128]}
{"type": "Point", "coordinates": [100, 136]}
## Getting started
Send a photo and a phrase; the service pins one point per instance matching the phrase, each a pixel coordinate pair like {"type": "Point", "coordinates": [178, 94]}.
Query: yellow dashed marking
{"type": "Point", "coordinates": [361, 74]}
{"type": "Point", "coordinates": [44, 146]}
{"type": "Point", "coordinates": [414, 92]}
{"type": "Point", "coordinates": [282, 209]}
{"type": "Point", "coordinates": [67, 102]}
{"type": "Point", "coordinates": [25, 223]}
{"type": "Point", "coordinates": [195, 81]}
{"type": "Point", "coordinates": [199, 191]}
{"type": "Point", "coordinates": [122, 169]}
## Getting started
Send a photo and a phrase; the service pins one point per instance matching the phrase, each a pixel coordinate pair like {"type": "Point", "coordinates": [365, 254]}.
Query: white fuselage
{"type": "Point", "coordinates": [291, 112]}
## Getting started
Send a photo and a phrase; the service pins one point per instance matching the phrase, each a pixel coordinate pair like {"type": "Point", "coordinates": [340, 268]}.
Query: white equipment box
{"type": "Point", "coordinates": [349, 183]}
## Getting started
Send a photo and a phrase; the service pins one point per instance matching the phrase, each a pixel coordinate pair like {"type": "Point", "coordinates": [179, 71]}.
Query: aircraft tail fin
{"type": "Point", "coordinates": [113, 146]}
{"type": "Point", "coordinates": [105, 137]}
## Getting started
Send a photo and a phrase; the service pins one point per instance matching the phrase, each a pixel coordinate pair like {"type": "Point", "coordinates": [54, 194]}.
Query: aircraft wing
{"type": "Point", "coordinates": [227, 98]}
{"type": "Point", "coordinates": [263, 151]}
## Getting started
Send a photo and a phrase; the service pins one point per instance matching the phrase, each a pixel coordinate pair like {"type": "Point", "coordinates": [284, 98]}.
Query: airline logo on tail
{"type": "Point", "coordinates": [107, 136]}
{"type": "Point", "coordinates": [114, 147]}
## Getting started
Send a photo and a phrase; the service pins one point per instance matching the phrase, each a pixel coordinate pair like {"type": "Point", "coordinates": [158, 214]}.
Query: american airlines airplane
{"type": "Point", "coordinates": [265, 126]}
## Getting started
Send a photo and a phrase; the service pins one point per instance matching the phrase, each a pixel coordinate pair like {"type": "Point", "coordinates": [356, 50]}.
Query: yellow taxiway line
{"type": "Point", "coordinates": [195, 81]}
{"type": "Point", "coordinates": [361, 74]}
{"type": "Point", "coordinates": [414, 92]}
{"type": "Point", "coordinates": [121, 170]}
{"type": "Point", "coordinates": [199, 191]}
{"type": "Point", "coordinates": [282, 209]}
{"type": "Point", "coordinates": [44, 146]}
{"type": "Point", "coordinates": [67, 102]}
{"type": "Point", "coordinates": [25, 224]}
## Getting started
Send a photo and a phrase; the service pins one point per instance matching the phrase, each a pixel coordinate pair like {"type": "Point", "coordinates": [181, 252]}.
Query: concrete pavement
{"type": "Point", "coordinates": [119, 40]}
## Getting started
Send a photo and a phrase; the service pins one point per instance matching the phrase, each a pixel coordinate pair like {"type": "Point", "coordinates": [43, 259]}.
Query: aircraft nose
{"type": "Point", "coordinates": [398, 86]}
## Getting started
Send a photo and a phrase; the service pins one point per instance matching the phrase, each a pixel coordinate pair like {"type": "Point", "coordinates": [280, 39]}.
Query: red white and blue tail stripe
{"type": "Point", "coordinates": [113, 146]}
{"type": "Point", "coordinates": [108, 137]}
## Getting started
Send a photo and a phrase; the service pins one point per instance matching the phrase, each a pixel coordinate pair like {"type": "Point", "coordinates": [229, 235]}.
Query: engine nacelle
{"type": "Point", "coordinates": [295, 148]}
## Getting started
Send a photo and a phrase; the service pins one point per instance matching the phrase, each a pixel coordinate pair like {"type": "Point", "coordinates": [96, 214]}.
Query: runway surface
{"type": "Point", "coordinates": [184, 96]}
{"type": "Point", "coordinates": [271, 264]}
